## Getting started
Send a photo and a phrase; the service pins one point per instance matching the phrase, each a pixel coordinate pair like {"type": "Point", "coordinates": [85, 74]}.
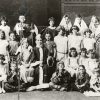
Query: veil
{"type": "Point", "coordinates": [82, 26]}
{"type": "Point", "coordinates": [63, 23]}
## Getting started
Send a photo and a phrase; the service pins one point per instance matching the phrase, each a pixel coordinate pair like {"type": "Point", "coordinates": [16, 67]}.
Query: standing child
{"type": "Point", "coordinates": [51, 28]}
{"type": "Point", "coordinates": [88, 42]}
{"type": "Point", "coordinates": [82, 80]}
{"type": "Point", "coordinates": [3, 73]}
{"type": "Point", "coordinates": [4, 45]}
{"type": "Point", "coordinates": [13, 44]}
{"type": "Point", "coordinates": [75, 40]}
{"type": "Point", "coordinates": [61, 44]}
{"type": "Point", "coordinates": [5, 27]}
{"type": "Point", "coordinates": [61, 79]}
{"type": "Point", "coordinates": [51, 61]}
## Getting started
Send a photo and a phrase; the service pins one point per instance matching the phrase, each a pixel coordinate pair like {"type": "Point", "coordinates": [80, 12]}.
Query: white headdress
{"type": "Point", "coordinates": [63, 23]}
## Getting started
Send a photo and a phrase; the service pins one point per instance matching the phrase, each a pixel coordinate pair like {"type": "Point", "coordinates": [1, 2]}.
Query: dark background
{"type": "Point", "coordinates": [38, 11]}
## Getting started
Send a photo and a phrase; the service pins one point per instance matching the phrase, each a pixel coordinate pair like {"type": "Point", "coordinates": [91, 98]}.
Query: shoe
{"type": "Point", "coordinates": [3, 91]}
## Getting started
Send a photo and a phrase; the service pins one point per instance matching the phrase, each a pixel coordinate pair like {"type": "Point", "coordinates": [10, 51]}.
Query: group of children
{"type": "Point", "coordinates": [63, 58]}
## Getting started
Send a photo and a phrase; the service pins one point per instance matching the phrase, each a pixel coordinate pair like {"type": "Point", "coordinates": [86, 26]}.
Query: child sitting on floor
{"type": "Point", "coordinates": [95, 80]}
{"type": "Point", "coordinates": [61, 79]}
{"type": "Point", "coordinates": [12, 79]}
{"type": "Point", "coordinates": [82, 79]}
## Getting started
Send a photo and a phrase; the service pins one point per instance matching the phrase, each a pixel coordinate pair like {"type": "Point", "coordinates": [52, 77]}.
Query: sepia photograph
{"type": "Point", "coordinates": [49, 49]}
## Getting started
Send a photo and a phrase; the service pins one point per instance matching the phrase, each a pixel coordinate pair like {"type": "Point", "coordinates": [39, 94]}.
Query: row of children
{"type": "Point", "coordinates": [38, 60]}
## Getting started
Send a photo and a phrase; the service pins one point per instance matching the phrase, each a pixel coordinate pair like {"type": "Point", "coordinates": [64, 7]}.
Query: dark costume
{"type": "Point", "coordinates": [36, 57]}
{"type": "Point", "coordinates": [61, 80]}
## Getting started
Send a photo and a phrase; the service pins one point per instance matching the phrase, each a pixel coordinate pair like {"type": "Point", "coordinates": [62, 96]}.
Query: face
{"type": "Point", "coordinates": [2, 35]}
{"type": "Point", "coordinates": [94, 19]}
{"type": "Point", "coordinates": [48, 37]}
{"type": "Point", "coordinates": [3, 22]}
{"type": "Point", "coordinates": [39, 41]}
{"type": "Point", "coordinates": [51, 23]}
{"type": "Point", "coordinates": [13, 67]}
{"type": "Point", "coordinates": [61, 66]}
{"type": "Point", "coordinates": [12, 36]}
{"type": "Point", "coordinates": [25, 44]}
{"type": "Point", "coordinates": [78, 20]}
{"type": "Point", "coordinates": [88, 34]}
{"type": "Point", "coordinates": [74, 31]}
{"type": "Point", "coordinates": [22, 19]}
{"type": "Point", "coordinates": [83, 54]}
{"type": "Point", "coordinates": [91, 55]}
{"type": "Point", "coordinates": [66, 19]}
{"type": "Point", "coordinates": [73, 52]}
{"type": "Point", "coordinates": [81, 69]}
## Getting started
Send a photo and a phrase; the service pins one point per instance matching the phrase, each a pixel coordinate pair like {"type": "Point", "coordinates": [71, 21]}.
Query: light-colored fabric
{"type": "Point", "coordinates": [82, 26]}
{"type": "Point", "coordinates": [62, 46]}
{"type": "Point", "coordinates": [75, 41]}
{"type": "Point", "coordinates": [67, 25]}
{"type": "Point", "coordinates": [3, 47]}
{"type": "Point", "coordinates": [6, 29]}
{"type": "Point", "coordinates": [88, 43]}
{"type": "Point", "coordinates": [40, 67]}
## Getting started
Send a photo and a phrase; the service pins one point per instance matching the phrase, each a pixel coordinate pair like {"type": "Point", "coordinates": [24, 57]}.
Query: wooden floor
{"type": "Point", "coordinates": [46, 95]}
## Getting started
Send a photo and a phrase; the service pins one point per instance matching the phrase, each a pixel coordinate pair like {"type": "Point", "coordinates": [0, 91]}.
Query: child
{"type": "Point", "coordinates": [51, 28]}
{"type": "Point", "coordinates": [80, 23]}
{"type": "Point", "coordinates": [25, 52]}
{"type": "Point", "coordinates": [75, 40]}
{"type": "Point", "coordinates": [95, 80]}
{"type": "Point", "coordinates": [83, 58]}
{"type": "Point", "coordinates": [61, 79]}
{"type": "Point", "coordinates": [73, 62]}
{"type": "Point", "coordinates": [3, 73]}
{"type": "Point", "coordinates": [5, 27]}
{"type": "Point", "coordinates": [92, 62]}
{"type": "Point", "coordinates": [82, 80]}
{"type": "Point", "coordinates": [51, 61]}
{"type": "Point", "coordinates": [66, 23]}
{"type": "Point", "coordinates": [13, 44]}
{"type": "Point", "coordinates": [88, 42]}
{"type": "Point", "coordinates": [12, 79]}
{"type": "Point", "coordinates": [94, 25]}
{"type": "Point", "coordinates": [61, 44]}
{"type": "Point", "coordinates": [4, 46]}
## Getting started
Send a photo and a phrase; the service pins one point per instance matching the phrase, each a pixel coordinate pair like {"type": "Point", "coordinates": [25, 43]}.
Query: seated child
{"type": "Point", "coordinates": [92, 62]}
{"type": "Point", "coordinates": [95, 80]}
{"type": "Point", "coordinates": [73, 62]}
{"type": "Point", "coordinates": [3, 73]}
{"type": "Point", "coordinates": [61, 79]}
{"type": "Point", "coordinates": [83, 58]}
{"type": "Point", "coordinates": [82, 79]}
{"type": "Point", "coordinates": [25, 51]}
{"type": "Point", "coordinates": [12, 79]}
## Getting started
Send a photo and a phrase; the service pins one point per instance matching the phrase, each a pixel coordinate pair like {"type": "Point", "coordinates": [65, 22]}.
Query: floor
{"type": "Point", "coordinates": [46, 95]}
